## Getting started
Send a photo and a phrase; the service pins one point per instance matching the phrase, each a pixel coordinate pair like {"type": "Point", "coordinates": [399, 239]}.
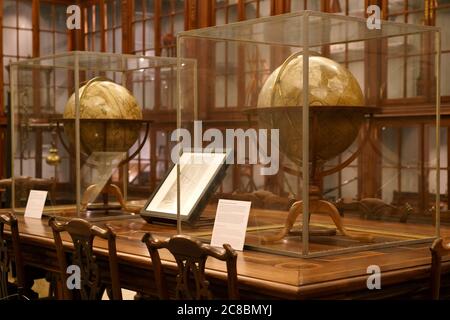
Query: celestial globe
{"type": "Point", "coordinates": [107, 111]}
{"type": "Point", "coordinates": [336, 112]}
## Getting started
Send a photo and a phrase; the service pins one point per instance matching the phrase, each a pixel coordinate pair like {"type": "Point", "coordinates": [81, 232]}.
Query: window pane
{"type": "Point", "coordinates": [9, 42]}
{"type": "Point", "coordinates": [45, 16]}
{"type": "Point", "coordinates": [25, 14]}
{"type": "Point", "coordinates": [250, 11]}
{"type": "Point", "coordinates": [97, 41]}
{"type": "Point", "coordinates": [297, 5]}
{"type": "Point", "coordinates": [232, 14]}
{"type": "Point", "coordinates": [314, 5]}
{"type": "Point", "coordinates": [118, 11]}
{"type": "Point", "coordinates": [138, 93]}
{"type": "Point", "coordinates": [150, 8]}
{"type": "Point", "coordinates": [89, 19]}
{"type": "Point", "coordinates": [61, 98]}
{"type": "Point", "coordinates": [61, 18]}
{"type": "Point", "coordinates": [395, 78]}
{"type": "Point", "coordinates": [118, 39]}
{"type": "Point", "coordinates": [432, 146]}
{"type": "Point", "coordinates": [149, 35]}
{"type": "Point", "coordinates": [264, 8]}
{"type": "Point", "coordinates": [179, 23]}
{"type": "Point", "coordinates": [109, 15]}
{"type": "Point", "coordinates": [138, 36]}
{"type": "Point", "coordinates": [445, 74]}
{"type": "Point", "coordinates": [138, 10]}
{"type": "Point", "coordinates": [149, 102]}
{"type": "Point", "coordinates": [166, 25]}
{"type": "Point", "coordinates": [356, 8]}
{"type": "Point", "coordinates": [396, 6]}
{"type": "Point", "coordinates": [357, 69]}
{"type": "Point", "coordinates": [410, 147]}
{"type": "Point", "coordinates": [432, 186]}
{"type": "Point", "coordinates": [410, 180]}
{"type": "Point", "coordinates": [414, 44]}
{"type": "Point", "coordinates": [413, 77]}
{"type": "Point", "coordinates": [416, 5]}
{"type": "Point", "coordinates": [443, 21]}
{"type": "Point", "coordinates": [220, 17]}
{"type": "Point", "coordinates": [25, 43]}
{"type": "Point", "coordinates": [232, 90]}
{"type": "Point", "coordinates": [350, 189]}
{"type": "Point", "coordinates": [389, 147]}
{"type": "Point", "coordinates": [45, 43]}
{"type": "Point", "coordinates": [109, 40]}
{"type": "Point", "coordinates": [416, 18]}
{"type": "Point", "coordinates": [389, 183]}
{"type": "Point", "coordinates": [98, 18]}
{"type": "Point", "coordinates": [9, 13]}
{"type": "Point", "coordinates": [60, 42]}
{"type": "Point", "coordinates": [220, 91]}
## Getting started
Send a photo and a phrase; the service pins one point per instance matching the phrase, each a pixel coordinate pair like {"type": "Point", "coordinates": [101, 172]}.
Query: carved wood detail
{"type": "Point", "coordinates": [190, 256]}
{"type": "Point", "coordinates": [82, 234]}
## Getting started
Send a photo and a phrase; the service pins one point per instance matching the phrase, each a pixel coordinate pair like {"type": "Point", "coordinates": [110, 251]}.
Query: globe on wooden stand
{"type": "Point", "coordinates": [336, 113]}
{"type": "Point", "coordinates": [110, 122]}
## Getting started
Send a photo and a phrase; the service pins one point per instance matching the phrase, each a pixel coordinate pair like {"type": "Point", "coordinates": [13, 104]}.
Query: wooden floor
{"type": "Point", "coordinates": [405, 269]}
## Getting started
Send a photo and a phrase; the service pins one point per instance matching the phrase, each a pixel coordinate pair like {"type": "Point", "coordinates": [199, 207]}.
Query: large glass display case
{"type": "Point", "coordinates": [79, 122]}
{"type": "Point", "coordinates": [299, 101]}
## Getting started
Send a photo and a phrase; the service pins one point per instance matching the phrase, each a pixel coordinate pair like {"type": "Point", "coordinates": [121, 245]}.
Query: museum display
{"type": "Point", "coordinates": [91, 129]}
{"type": "Point", "coordinates": [337, 113]}
{"type": "Point", "coordinates": [303, 146]}
{"type": "Point", "coordinates": [304, 94]}
{"type": "Point", "coordinates": [110, 123]}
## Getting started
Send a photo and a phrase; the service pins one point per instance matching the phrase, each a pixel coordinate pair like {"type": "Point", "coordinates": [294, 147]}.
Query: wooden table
{"type": "Point", "coordinates": [405, 269]}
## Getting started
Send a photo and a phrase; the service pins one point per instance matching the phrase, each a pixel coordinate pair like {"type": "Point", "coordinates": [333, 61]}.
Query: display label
{"type": "Point", "coordinates": [230, 224]}
{"type": "Point", "coordinates": [35, 204]}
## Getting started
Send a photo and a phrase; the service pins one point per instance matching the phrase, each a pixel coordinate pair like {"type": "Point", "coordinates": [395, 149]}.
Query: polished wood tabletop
{"type": "Point", "coordinates": [405, 269]}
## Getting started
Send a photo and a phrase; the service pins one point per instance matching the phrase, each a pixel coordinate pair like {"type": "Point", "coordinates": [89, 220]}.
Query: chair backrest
{"type": "Point", "coordinates": [439, 248]}
{"type": "Point", "coordinates": [10, 220]}
{"type": "Point", "coordinates": [82, 234]}
{"type": "Point", "coordinates": [191, 256]}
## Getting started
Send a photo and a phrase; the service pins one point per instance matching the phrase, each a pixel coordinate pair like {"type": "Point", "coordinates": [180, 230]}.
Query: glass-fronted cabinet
{"type": "Point", "coordinates": [297, 102]}
{"type": "Point", "coordinates": [80, 140]}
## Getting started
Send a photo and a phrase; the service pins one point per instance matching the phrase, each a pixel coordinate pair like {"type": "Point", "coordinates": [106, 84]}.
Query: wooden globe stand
{"type": "Point", "coordinates": [316, 203]}
{"type": "Point", "coordinates": [109, 189]}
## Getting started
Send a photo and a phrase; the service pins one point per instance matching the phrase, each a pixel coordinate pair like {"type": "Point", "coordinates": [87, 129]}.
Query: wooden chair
{"type": "Point", "coordinates": [82, 234]}
{"type": "Point", "coordinates": [439, 248]}
{"type": "Point", "coordinates": [191, 256]}
{"type": "Point", "coordinates": [5, 259]}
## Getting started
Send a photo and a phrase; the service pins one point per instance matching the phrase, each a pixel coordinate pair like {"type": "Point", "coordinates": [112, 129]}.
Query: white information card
{"type": "Point", "coordinates": [230, 224]}
{"type": "Point", "coordinates": [35, 204]}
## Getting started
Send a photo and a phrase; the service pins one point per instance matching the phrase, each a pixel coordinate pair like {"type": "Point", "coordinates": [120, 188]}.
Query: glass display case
{"type": "Point", "coordinates": [299, 100]}
{"type": "Point", "coordinates": [79, 122]}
